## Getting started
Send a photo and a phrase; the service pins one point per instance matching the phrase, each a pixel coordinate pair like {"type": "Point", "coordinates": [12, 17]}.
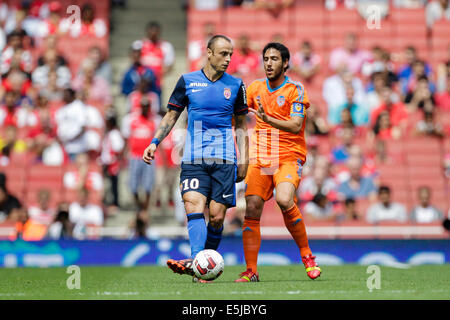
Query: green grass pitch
{"type": "Point", "coordinates": [277, 282]}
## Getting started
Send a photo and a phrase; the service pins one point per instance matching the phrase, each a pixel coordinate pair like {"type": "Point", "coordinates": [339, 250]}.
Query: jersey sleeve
{"type": "Point", "coordinates": [240, 106]}
{"type": "Point", "coordinates": [178, 100]}
{"type": "Point", "coordinates": [299, 101]}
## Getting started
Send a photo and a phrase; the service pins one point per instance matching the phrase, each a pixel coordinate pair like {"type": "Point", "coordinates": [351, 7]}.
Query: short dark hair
{"type": "Point", "coordinates": [2, 179]}
{"type": "Point", "coordinates": [153, 24]}
{"type": "Point", "coordinates": [284, 51]}
{"type": "Point", "coordinates": [71, 91]}
{"type": "Point", "coordinates": [214, 38]}
{"type": "Point", "coordinates": [306, 43]}
{"type": "Point", "coordinates": [382, 189]}
{"type": "Point", "coordinates": [349, 201]}
{"type": "Point", "coordinates": [423, 77]}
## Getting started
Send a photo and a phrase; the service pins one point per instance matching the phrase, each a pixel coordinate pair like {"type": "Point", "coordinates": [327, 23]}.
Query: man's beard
{"type": "Point", "coordinates": [276, 75]}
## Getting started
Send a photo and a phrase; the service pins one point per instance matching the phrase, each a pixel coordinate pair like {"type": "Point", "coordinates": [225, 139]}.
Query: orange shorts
{"type": "Point", "coordinates": [261, 181]}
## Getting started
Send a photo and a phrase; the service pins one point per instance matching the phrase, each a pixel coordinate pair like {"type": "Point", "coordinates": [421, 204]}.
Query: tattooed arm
{"type": "Point", "coordinates": [163, 130]}
{"type": "Point", "coordinates": [242, 143]}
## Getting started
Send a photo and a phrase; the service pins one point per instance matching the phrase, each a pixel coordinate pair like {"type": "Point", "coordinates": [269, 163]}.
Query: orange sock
{"type": "Point", "coordinates": [251, 238]}
{"type": "Point", "coordinates": [293, 220]}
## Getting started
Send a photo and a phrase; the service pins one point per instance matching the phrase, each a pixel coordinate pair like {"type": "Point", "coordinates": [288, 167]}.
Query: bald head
{"type": "Point", "coordinates": [214, 39]}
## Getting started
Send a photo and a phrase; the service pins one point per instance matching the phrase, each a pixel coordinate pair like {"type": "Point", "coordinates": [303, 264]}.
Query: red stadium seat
{"type": "Point", "coordinates": [384, 36]}
{"type": "Point", "coordinates": [197, 18]}
{"type": "Point", "coordinates": [340, 22]}
{"type": "Point", "coordinates": [40, 176]}
{"type": "Point", "coordinates": [423, 145]}
{"type": "Point", "coordinates": [310, 25]}
{"type": "Point", "coordinates": [420, 159]}
{"type": "Point", "coordinates": [15, 178]}
{"type": "Point", "coordinates": [440, 41]}
{"type": "Point", "coordinates": [447, 145]}
{"type": "Point", "coordinates": [410, 29]}
{"type": "Point", "coordinates": [239, 22]}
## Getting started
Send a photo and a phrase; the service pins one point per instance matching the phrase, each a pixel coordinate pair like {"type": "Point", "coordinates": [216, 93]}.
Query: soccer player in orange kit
{"type": "Point", "coordinates": [277, 155]}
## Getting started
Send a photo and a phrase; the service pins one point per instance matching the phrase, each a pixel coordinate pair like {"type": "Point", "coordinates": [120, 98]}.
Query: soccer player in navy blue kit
{"type": "Point", "coordinates": [209, 168]}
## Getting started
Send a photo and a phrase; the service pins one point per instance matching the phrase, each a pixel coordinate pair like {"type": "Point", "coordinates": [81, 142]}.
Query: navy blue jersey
{"type": "Point", "coordinates": [210, 106]}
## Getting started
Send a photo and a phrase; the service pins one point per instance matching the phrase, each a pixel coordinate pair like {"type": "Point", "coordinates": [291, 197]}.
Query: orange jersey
{"type": "Point", "coordinates": [268, 144]}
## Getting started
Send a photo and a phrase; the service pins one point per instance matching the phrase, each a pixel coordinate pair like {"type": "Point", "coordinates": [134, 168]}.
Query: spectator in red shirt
{"type": "Point", "coordinates": [140, 132]}
{"type": "Point", "coordinates": [397, 110]}
{"type": "Point", "coordinates": [142, 90]}
{"type": "Point", "coordinates": [51, 25]}
{"type": "Point", "coordinates": [245, 61]}
{"type": "Point", "coordinates": [383, 128]}
{"type": "Point", "coordinates": [43, 135]}
{"type": "Point", "coordinates": [157, 54]}
{"type": "Point", "coordinates": [8, 109]}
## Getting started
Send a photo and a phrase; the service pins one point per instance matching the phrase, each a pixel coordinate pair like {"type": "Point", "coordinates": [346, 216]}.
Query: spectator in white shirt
{"type": "Point", "coordinates": [385, 209]}
{"type": "Point", "coordinates": [42, 212]}
{"type": "Point", "coordinates": [436, 10]}
{"type": "Point", "coordinates": [112, 148]}
{"type": "Point", "coordinates": [15, 44]}
{"type": "Point", "coordinates": [334, 88]}
{"type": "Point", "coordinates": [319, 209]}
{"type": "Point", "coordinates": [71, 123]}
{"type": "Point", "coordinates": [40, 75]}
{"type": "Point", "coordinates": [83, 175]}
{"type": "Point", "coordinates": [424, 212]}
{"type": "Point", "coordinates": [84, 214]}
{"type": "Point", "coordinates": [89, 24]}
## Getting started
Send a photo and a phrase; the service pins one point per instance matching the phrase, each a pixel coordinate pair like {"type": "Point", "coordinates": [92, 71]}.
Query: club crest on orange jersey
{"type": "Point", "coordinates": [227, 93]}
{"type": "Point", "coordinates": [298, 107]}
{"type": "Point", "coordinates": [280, 100]}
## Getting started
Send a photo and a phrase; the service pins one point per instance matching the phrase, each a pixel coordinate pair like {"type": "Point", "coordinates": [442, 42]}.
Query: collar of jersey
{"type": "Point", "coordinates": [204, 74]}
{"type": "Point", "coordinates": [275, 89]}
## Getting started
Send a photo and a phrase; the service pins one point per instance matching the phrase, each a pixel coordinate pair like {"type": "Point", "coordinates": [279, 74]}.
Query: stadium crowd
{"type": "Point", "coordinates": [61, 114]}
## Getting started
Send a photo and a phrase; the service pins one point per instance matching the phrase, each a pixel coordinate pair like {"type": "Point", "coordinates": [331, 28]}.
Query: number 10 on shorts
{"type": "Point", "coordinates": [190, 184]}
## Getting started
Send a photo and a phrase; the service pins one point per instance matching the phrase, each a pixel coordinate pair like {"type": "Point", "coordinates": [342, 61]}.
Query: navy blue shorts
{"type": "Point", "coordinates": [216, 181]}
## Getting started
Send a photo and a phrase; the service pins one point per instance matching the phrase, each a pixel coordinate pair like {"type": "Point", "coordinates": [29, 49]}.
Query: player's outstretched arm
{"type": "Point", "coordinates": [242, 143]}
{"type": "Point", "coordinates": [167, 123]}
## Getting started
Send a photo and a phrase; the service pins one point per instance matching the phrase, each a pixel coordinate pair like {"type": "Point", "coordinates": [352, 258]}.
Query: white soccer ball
{"type": "Point", "coordinates": [208, 264]}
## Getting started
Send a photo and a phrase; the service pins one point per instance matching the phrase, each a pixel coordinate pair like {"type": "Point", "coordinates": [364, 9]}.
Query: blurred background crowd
{"type": "Point", "coordinates": [73, 125]}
